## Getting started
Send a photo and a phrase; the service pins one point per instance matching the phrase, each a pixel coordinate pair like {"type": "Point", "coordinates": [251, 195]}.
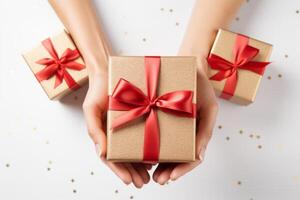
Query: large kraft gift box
{"type": "Point", "coordinates": [57, 65]}
{"type": "Point", "coordinates": [237, 64]}
{"type": "Point", "coordinates": [175, 141]}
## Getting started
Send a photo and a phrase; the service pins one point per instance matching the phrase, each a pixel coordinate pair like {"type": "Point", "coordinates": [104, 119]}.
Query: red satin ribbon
{"type": "Point", "coordinates": [58, 66]}
{"type": "Point", "coordinates": [127, 97]}
{"type": "Point", "coordinates": [243, 56]}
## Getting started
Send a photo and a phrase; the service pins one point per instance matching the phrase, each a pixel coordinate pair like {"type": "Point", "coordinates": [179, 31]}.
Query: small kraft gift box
{"type": "Point", "coordinates": [152, 109]}
{"type": "Point", "coordinates": [237, 64]}
{"type": "Point", "coordinates": [57, 65]}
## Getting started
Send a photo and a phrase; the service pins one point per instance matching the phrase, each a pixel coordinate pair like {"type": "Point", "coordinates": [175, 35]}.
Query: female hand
{"type": "Point", "coordinates": [207, 109]}
{"type": "Point", "coordinates": [95, 107]}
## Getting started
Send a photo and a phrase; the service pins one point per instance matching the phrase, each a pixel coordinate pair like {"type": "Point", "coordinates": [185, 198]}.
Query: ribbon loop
{"type": "Point", "coordinates": [56, 66]}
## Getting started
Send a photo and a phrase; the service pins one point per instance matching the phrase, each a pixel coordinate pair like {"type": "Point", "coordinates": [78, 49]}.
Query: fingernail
{"type": "Point", "coordinates": [202, 154]}
{"type": "Point", "coordinates": [98, 150]}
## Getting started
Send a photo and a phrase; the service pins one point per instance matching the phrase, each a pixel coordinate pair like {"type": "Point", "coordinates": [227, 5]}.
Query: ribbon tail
{"type": "Point", "coordinates": [72, 84]}
{"type": "Point", "coordinates": [230, 86]}
{"type": "Point", "coordinates": [151, 138]}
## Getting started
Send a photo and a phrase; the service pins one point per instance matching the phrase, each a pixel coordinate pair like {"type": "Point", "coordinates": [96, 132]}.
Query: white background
{"type": "Point", "coordinates": [36, 134]}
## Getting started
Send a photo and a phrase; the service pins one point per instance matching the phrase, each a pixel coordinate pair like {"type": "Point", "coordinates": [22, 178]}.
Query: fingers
{"type": "Point", "coordinates": [135, 176]}
{"type": "Point", "coordinates": [142, 171]}
{"type": "Point", "coordinates": [120, 170]}
{"type": "Point", "coordinates": [159, 169]}
{"type": "Point", "coordinates": [164, 176]}
{"type": "Point", "coordinates": [182, 169]}
{"type": "Point", "coordinates": [93, 116]}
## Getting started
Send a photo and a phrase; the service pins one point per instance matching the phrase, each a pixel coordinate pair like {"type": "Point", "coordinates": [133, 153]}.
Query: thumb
{"type": "Point", "coordinates": [93, 116]}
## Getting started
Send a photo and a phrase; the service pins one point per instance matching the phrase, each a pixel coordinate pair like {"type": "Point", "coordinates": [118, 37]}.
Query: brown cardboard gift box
{"type": "Point", "coordinates": [248, 81]}
{"type": "Point", "coordinates": [177, 134]}
{"type": "Point", "coordinates": [61, 43]}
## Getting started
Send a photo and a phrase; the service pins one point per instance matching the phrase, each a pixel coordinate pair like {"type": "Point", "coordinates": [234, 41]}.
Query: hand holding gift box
{"type": "Point", "coordinates": [57, 65]}
{"type": "Point", "coordinates": [237, 64]}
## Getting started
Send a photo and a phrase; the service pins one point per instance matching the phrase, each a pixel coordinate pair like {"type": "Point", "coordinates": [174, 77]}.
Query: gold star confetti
{"type": "Point", "coordinates": [171, 10]}
{"type": "Point", "coordinates": [162, 9]}
{"type": "Point", "coordinates": [116, 191]}
{"type": "Point", "coordinates": [220, 127]}
{"type": "Point", "coordinates": [131, 197]}
{"type": "Point", "coordinates": [269, 77]}
{"type": "Point", "coordinates": [259, 146]}
{"type": "Point", "coordinates": [72, 180]}
{"type": "Point", "coordinates": [7, 165]}
{"type": "Point", "coordinates": [74, 191]}
{"type": "Point", "coordinates": [227, 138]}
{"type": "Point", "coordinates": [279, 75]}
{"type": "Point", "coordinates": [144, 40]}
{"type": "Point", "coordinates": [239, 182]}
{"type": "Point", "coordinates": [241, 131]}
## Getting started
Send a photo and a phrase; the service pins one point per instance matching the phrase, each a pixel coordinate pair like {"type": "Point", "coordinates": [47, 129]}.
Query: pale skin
{"type": "Point", "coordinates": [80, 19]}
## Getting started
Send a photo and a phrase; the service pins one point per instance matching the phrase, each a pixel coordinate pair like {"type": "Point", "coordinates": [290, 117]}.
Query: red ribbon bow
{"type": "Point", "coordinates": [243, 55]}
{"type": "Point", "coordinates": [127, 97]}
{"type": "Point", "coordinates": [58, 66]}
